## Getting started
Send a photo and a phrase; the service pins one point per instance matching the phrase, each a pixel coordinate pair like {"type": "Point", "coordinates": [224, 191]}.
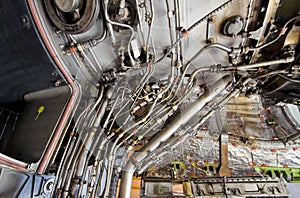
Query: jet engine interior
{"type": "Point", "coordinates": [149, 98]}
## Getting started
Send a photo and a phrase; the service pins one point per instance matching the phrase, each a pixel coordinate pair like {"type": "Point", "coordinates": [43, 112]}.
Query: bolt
{"type": "Point", "coordinates": [210, 40]}
{"type": "Point", "coordinates": [57, 83]}
{"type": "Point", "coordinates": [212, 19]}
{"type": "Point", "coordinates": [54, 74]}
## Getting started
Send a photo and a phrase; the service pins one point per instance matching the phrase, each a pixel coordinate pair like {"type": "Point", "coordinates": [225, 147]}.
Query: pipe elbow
{"type": "Point", "coordinates": [128, 171]}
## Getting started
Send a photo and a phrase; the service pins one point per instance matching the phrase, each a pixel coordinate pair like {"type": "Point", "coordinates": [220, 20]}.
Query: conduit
{"type": "Point", "coordinates": [167, 132]}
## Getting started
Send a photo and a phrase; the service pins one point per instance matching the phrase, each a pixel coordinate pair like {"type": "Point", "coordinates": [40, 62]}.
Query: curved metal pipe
{"type": "Point", "coordinates": [167, 132]}
{"type": "Point", "coordinates": [121, 25]}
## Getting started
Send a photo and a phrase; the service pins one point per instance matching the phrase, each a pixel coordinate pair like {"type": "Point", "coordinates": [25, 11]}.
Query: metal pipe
{"type": "Point", "coordinates": [10, 162]}
{"type": "Point", "coordinates": [168, 131]}
{"type": "Point", "coordinates": [287, 59]}
{"type": "Point", "coordinates": [220, 104]}
{"type": "Point", "coordinates": [170, 15]}
{"type": "Point", "coordinates": [188, 64]}
{"type": "Point", "coordinates": [178, 48]}
{"type": "Point", "coordinates": [172, 144]}
{"type": "Point", "coordinates": [280, 33]}
{"type": "Point", "coordinates": [101, 111]}
{"type": "Point", "coordinates": [149, 35]}
{"type": "Point", "coordinates": [203, 119]}
{"type": "Point", "coordinates": [96, 142]}
{"type": "Point", "coordinates": [81, 162]}
{"type": "Point", "coordinates": [70, 170]}
{"type": "Point", "coordinates": [110, 23]}
{"type": "Point", "coordinates": [69, 157]}
{"type": "Point", "coordinates": [247, 22]}
{"type": "Point", "coordinates": [208, 46]}
{"type": "Point", "coordinates": [69, 146]}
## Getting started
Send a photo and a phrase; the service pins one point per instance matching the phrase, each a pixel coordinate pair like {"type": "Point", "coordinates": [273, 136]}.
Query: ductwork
{"type": "Point", "coordinates": [167, 132]}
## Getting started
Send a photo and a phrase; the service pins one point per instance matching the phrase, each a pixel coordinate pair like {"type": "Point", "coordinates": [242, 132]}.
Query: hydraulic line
{"type": "Point", "coordinates": [70, 157]}
{"type": "Point", "coordinates": [192, 27]}
{"type": "Point", "coordinates": [142, 83]}
{"type": "Point", "coordinates": [249, 12]}
{"type": "Point", "coordinates": [79, 159]}
{"type": "Point", "coordinates": [149, 37]}
{"type": "Point", "coordinates": [178, 47]}
{"type": "Point", "coordinates": [172, 143]}
{"type": "Point", "coordinates": [288, 59]}
{"type": "Point", "coordinates": [69, 147]}
{"type": "Point", "coordinates": [95, 144]}
{"type": "Point", "coordinates": [81, 51]}
{"type": "Point", "coordinates": [139, 24]}
{"type": "Point", "coordinates": [132, 61]}
{"type": "Point", "coordinates": [69, 172]}
{"type": "Point", "coordinates": [171, 128]}
{"type": "Point", "coordinates": [171, 28]}
{"type": "Point", "coordinates": [116, 146]}
{"type": "Point", "coordinates": [174, 83]}
{"type": "Point", "coordinates": [92, 132]}
{"type": "Point", "coordinates": [218, 106]}
{"type": "Point", "coordinates": [188, 64]}
{"type": "Point", "coordinates": [115, 178]}
{"type": "Point", "coordinates": [203, 119]}
{"type": "Point", "coordinates": [280, 33]}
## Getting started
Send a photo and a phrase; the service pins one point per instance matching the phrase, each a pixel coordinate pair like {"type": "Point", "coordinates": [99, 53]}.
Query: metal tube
{"type": "Point", "coordinates": [90, 139]}
{"type": "Point", "coordinates": [68, 160]}
{"type": "Point", "coordinates": [96, 141]}
{"type": "Point", "coordinates": [101, 111]}
{"type": "Point", "coordinates": [109, 26]}
{"type": "Point", "coordinates": [69, 171]}
{"type": "Point", "coordinates": [287, 59]}
{"type": "Point", "coordinates": [178, 47]}
{"type": "Point", "coordinates": [149, 35]}
{"type": "Point", "coordinates": [172, 143]}
{"type": "Point", "coordinates": [188, 64]}
{"type": "Point", "coordinates": [168, 131]}
{"type": "Point", "coordinates": [170, 15]}
{"type": "Point", "coordinates": [219, 105]}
